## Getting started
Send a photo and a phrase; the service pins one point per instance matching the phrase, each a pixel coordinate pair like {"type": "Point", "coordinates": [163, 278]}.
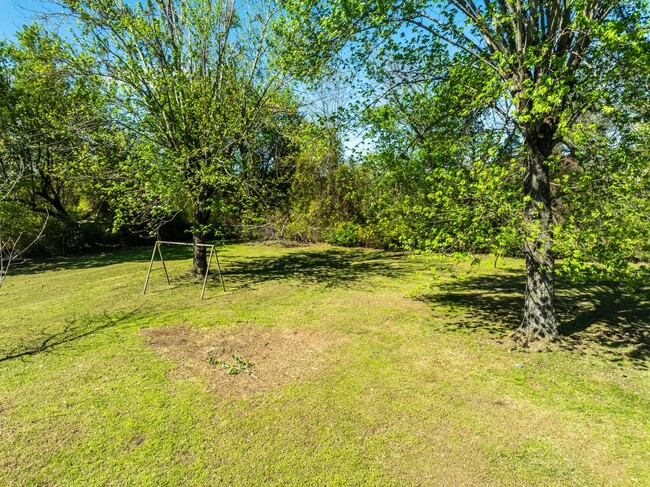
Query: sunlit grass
{"type": "Point", "coordinates": [416, 390]}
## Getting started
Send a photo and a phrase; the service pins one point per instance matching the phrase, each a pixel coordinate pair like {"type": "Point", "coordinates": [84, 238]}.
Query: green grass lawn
{"type": "Point", "coordinates": [364, 375]}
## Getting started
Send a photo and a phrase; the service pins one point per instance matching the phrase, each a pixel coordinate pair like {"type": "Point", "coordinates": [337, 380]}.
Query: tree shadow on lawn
{"type": "Point", "coordinates": [601, 313]}
{"type": "Point", "coordinates": [49, 339]}
{"type": "Point", "coordinates": [331, 267]}
{"type": "Point", "coordinates": [83, 261]}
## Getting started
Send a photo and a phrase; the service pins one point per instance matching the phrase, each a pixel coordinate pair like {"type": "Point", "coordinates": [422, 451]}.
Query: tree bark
{"type": "Point", "coordinates": [540, 319]}
{"type": "Point", "coordinates": [201, 220]}
{"type": "Point", "coordinates": [199, 259]}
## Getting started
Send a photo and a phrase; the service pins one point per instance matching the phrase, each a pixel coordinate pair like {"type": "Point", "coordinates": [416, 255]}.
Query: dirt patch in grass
{"type": "Point", "coordinates": [278, 356]}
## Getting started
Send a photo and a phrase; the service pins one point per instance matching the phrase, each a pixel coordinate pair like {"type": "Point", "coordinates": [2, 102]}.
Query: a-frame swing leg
{"type": "Point", "coordinates": [216, 255]}
{"type": "Point", "coordinates": [164, 266]}
{"type": "Point", "coordinates": [153, 254]}
{"type": "Point", "coordinates": [207, 271]}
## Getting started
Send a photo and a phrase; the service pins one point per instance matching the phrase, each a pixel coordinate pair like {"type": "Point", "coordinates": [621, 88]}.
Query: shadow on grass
{"type": "Point", "coordinates": [330, 267]}
{"type": "Point", "coordinates": [99, 259]}
{"type": "Point", "coordinates": [601, 313]}
{"type": "Point", "coordinates": [74, 330]}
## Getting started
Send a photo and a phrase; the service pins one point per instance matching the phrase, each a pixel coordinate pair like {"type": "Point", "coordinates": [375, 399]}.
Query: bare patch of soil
{"type": "Point", "coordinates": [278, 356]}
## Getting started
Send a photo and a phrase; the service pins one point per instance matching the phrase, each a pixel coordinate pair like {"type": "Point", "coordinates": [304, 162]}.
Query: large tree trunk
{"type": "Point", "coordinates": [201, 220]}
{"type": "Point", "coordinates": [540, 320]}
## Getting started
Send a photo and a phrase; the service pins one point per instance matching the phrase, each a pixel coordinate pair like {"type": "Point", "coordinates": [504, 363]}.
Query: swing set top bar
{"type": "Point", "coordinates": [184, 243]}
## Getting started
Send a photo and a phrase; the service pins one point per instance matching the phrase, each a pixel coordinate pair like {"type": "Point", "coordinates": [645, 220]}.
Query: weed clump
{"type": "Point", "coordinates": [240, 365]}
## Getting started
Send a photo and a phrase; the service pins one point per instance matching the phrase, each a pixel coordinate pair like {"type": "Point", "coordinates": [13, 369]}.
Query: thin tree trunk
{"type": "Point", "coordinates": [199, 259]}
{"type": "Point", "coordinates": [201, 220]}
{"type": "Point", "coordinates": [540, 319]}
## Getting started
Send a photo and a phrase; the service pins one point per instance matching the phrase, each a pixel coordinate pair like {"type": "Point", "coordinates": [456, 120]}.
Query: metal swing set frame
{"type": "Point", "coordinates": [156, 247]}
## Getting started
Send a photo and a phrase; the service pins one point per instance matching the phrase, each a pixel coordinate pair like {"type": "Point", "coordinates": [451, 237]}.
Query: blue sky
{"type": "Point", "coordinates": [15, 13]}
